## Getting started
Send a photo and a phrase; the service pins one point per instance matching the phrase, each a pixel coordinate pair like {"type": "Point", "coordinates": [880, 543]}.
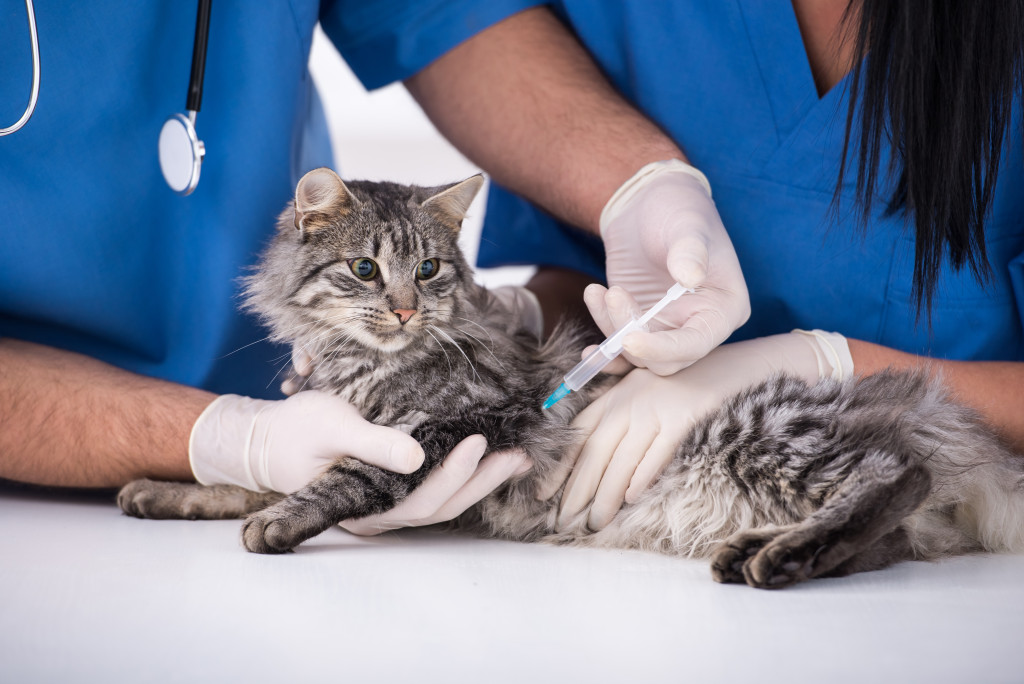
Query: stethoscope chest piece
{"type": "Point", "coordinates": [180, 149]}
{"type": "Point", "coordinates": [181, 153]}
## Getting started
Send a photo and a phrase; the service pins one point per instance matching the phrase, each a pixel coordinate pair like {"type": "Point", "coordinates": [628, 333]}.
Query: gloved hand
{"type": "Point", "coordinates": [659, 228]}
{"type": "Point", "coordinates": [632, 430]}
{"type": "Point", "coordinates": [523, 307]}
{"type": "Point", "coordinates": [282, 445]}
{"type": "Point", "coordinates": [458, 483]}
{"type": "Point", "coordinates": [463, 479]}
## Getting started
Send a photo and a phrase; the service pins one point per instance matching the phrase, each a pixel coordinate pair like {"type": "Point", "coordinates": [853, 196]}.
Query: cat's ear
{"type": "Point", "coordinates": [451, 204]}
{"type": "Point", "coordinates": [319, 198]}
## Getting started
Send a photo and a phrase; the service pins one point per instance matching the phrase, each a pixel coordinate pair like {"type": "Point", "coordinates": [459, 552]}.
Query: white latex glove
{"type": "Point", "coordinates": [523, 306]}
{"type": "Point", "coordinates": [281, 445]}
{"type": "Point", "coordinates": [660, 228]}
{"type": "Point", "coordinates": [458, 483]}
{"type": "Point", "coordinates": [632, 430]}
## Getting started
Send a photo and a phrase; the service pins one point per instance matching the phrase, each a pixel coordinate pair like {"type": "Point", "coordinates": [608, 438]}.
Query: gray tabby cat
{"type": "Point", "coordinates": [784, 483]}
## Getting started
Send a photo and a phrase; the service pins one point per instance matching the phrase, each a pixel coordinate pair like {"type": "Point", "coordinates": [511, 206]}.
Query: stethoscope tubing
{"type": "Point", "coordinates": [195, 81]}
{"type": "Point", "coordinates": [36, 72]}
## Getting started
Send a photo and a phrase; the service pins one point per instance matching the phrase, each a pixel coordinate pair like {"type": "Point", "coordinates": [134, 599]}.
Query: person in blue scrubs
{"type": "Point", "coordinates": [118, 322]}
{"type": "Point", "coordinates": [755, 95]}
{"type": "Point", "coordinates": [729, 82]}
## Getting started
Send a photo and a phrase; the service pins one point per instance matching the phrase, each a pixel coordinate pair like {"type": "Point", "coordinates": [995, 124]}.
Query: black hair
{"type": "Point", "coordinates": [938, 79]}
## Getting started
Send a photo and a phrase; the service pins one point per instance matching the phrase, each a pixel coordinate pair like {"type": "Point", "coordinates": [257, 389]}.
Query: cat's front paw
{"type": "Point", "coordinates": [136, 498]}
{"type": "Point", "coordinates": [270, 532]}
{"type": "Point", "coordinates": [157, 500]}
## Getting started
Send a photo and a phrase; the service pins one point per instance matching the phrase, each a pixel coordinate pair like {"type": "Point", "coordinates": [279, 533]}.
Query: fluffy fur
{"type": "Point", "coordinates": [784, 483]}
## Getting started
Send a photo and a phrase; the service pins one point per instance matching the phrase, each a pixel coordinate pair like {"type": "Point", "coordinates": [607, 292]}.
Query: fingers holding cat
{"type": "Point", "coordinates": [631, 431]}
{"type": "Point", "coordinates": [302, 368]}
{"type": "Point", "coordinates": [282, 445]}
{"type": "Point", "coordinates": [630, 434]}
{"type": "Point", "coordinates": [465, 477]}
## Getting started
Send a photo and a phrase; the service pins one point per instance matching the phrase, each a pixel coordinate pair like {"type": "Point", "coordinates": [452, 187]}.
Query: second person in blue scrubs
{"type": "Point", "coordinates": [755, 94]}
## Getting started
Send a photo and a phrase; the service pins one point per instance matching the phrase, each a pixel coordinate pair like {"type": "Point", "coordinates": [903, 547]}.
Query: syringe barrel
{"type": "Point", "coordinates": [586, 369]}
{"type": "Point", "coordinates": [600, 357]}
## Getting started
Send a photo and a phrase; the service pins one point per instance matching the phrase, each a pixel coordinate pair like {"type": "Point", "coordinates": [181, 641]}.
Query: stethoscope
{"type": "Point", "coordinates": [181, 150]}
{"type": "Point", "coordinates": [34, 37]}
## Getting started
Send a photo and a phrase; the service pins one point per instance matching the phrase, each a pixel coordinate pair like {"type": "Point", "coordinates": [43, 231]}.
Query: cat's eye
{"type": "Point", "coordinates": [427, 269]}
{"type": "Point", "coordinates": [365, 269]}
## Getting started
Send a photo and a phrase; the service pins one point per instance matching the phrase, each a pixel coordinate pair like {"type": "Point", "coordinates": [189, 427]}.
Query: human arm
{"type": "Point", "coordinates": [992, 388]}
{"type": "Point", "coordinates": [526, 102]}
{"type": "Point", "coordinates": [632, 430]}
{"type": "Point", "coordinates": [70, 420]}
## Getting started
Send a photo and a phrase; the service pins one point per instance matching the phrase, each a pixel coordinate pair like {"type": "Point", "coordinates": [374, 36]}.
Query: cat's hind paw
{"type": "Point", "coordinates": [782, 563]}
{"type": "Point", "coordinates": [729, 559]}
{"type": "Point", "coordinates": [770, 558]}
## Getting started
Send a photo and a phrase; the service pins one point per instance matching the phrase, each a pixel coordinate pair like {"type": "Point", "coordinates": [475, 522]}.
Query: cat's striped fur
{"type": "Point", "coordinates": [784, 483]}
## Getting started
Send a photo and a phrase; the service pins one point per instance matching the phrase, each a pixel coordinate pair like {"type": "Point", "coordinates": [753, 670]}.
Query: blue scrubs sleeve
{"type": "Point", "coordinates": [1017, 279]}
{"type": "Point", "coordinates": [516, 233]}
{"type": "Point", "coordinates": [389, 40]}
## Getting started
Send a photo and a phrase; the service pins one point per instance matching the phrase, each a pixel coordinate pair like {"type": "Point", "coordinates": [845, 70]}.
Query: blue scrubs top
{"type": "Point", "coordinates": [729, 80]}
{"type": "Point", "coordinates": [98, 255]}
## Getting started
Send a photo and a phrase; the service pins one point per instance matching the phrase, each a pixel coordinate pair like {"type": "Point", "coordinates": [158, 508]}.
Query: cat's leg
{"type": "Point", "coordinates": [889, 550]}
{"type": "Point", "coordinates": [352, 489]}
{"type": "Point", "coordinates": [190, 501]}
{"type": "Point", "coordinates": [865, 508]}
{"type": "Point", "coordinates": [349, 489]}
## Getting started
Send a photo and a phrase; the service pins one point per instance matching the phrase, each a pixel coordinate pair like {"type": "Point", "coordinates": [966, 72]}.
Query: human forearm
{"type": "Point", "coordinates": [67, 419]}
{"type": "Point", "coordinates": [526, 102]}
{"type": "Point", "coordinates": [993, 388]}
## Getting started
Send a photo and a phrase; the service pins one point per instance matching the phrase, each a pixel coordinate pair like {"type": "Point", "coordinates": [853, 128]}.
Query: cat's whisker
{"type": "Point", "coordinates": [486, 348]}
{"type": "Point", "coordinates": [278, 359]}
{"type": "Point", "coordinates": [338, 343]}
{"type": "Point", "coordinates": [456, 345]}
{"type": "Point", "coordinates": [284, 332]}
{"type": "Point", "coordinates": [334, 342]}
{"type": "Point", "coordinates": [279, 370]}
{"type": "Point", "coordinates": [330, 329]}
{"type": "Point", "coordinates": [471, 321]}
{"type": "Point", "coordinates": [339, 346]}
{"type": "Point", "coordinates": [451, 373]}
{"type": "Point", "coordinates": [246, 346]}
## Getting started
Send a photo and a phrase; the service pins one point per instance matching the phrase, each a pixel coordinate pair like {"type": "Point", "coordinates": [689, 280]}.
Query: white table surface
{"type": "Point", "coordinates": [87, 594]}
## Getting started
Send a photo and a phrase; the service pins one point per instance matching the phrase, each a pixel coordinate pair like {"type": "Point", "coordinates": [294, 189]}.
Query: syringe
{"type": "Point", "coordinates": [609, 350]}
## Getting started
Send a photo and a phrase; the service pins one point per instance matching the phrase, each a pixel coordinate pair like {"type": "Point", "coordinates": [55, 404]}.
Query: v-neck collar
{"type": "Point", "coordinates": [783, 64]}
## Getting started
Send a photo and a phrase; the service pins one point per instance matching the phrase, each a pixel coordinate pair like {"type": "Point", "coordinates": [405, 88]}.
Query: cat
{"type": "Point", "coordinates": [784, 483]}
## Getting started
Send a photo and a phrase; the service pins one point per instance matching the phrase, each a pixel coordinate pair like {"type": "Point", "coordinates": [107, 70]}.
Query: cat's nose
{"type": "Point", "coordinates": [404, 315]}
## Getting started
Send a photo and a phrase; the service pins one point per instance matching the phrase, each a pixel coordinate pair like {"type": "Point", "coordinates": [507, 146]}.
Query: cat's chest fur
{"type": "Point", "coordinates": [401, 391]}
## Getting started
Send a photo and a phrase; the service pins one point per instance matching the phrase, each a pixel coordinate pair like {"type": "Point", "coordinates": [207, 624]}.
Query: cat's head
{"type": "Point", "coordinates": [377, 264]}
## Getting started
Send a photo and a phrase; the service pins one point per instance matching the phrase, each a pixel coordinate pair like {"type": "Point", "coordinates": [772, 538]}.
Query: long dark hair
{"type": "Point", "coordinates": [938, 79]}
